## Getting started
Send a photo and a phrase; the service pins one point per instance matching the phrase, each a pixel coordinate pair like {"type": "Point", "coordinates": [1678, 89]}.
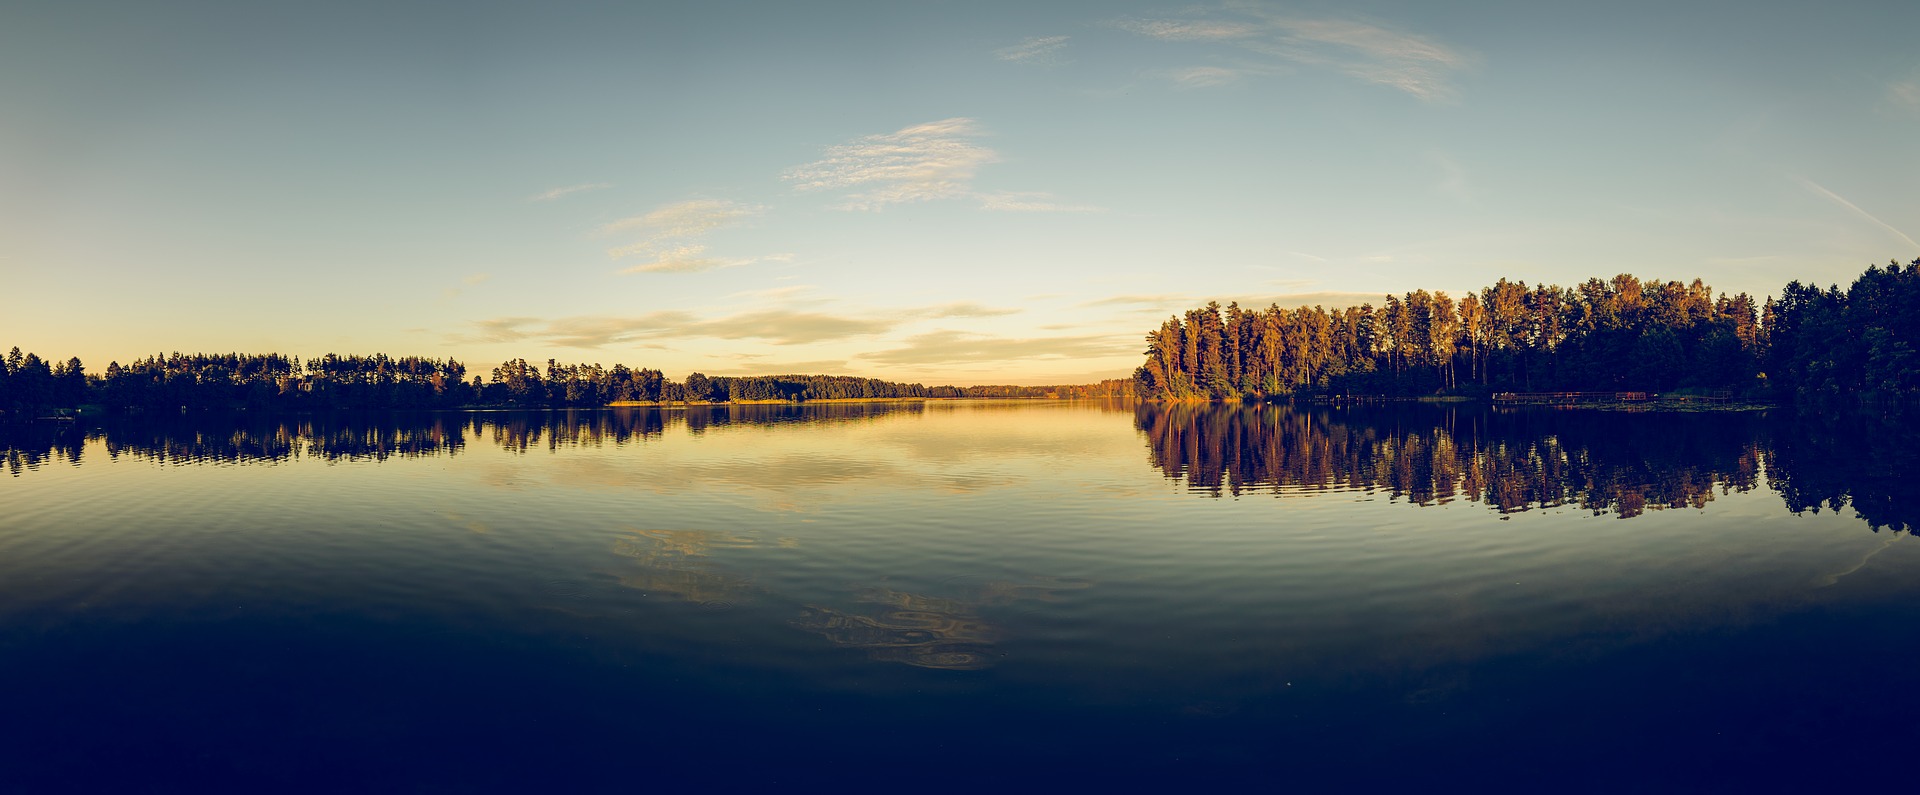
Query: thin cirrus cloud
{"type": "Point", "coordinates": [1405, 61]}
{"type": "Point", "coordinates": [956, 347]}
{"type": "Point", "coordinates": [1905, 93]}
{"type": "Point", "coordinates": [568, 191]}
{"type": "Point", "coordinates": [777, 326]}
{"type": "Point", "coordinates": [693, 259]}
{"type": "Point", "coordinates": [1819, 190]}
{"type": "Point", "coordinates": [674, 236]}
{"type": "Point", "coordinates": [936, 160]}
{"type": "Point", "coordinates": [964, 309]}
{"type": "Point", "coordinates": [924, 162]}
{"type": "Point", "coordinates": [1206, 76]}
{"type": "Point", "coordinates": [783, 367]}
{"type": "Point", "coordinates": [1175, 302]}
{"type": "Point", "coordinates": [1029, 202]}
{"type": "Point", "coordinates": [470, 280]}
{"type": "Point", "coordinates": [689, 218]}
{"type": "Point", "coordinates": [785, 293]}
{"type": "Point", "coordinates": [1034, 50]}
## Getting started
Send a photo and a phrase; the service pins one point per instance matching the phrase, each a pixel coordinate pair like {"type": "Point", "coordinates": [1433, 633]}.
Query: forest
{"type": "Point", "coordinates": [31, 386]}
{"type": "Point", "coordinates": [1619, 334]}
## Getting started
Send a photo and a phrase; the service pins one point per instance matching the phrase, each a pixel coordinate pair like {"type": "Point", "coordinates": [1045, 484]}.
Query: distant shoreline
{"type": "Point", "coordinates": [1674, 403]}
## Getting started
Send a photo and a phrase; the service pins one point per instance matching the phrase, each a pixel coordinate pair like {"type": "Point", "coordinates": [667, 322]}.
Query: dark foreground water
{"type": "Point", "coordinates": [960, 597]}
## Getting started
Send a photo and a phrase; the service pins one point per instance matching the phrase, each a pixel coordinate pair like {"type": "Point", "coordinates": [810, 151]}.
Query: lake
{"type": "Point", "coordinates": [959, 596]}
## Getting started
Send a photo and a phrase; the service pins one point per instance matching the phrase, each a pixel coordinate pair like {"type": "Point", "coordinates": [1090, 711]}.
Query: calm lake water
{"type": "Point", "coordinates": [959, 596]}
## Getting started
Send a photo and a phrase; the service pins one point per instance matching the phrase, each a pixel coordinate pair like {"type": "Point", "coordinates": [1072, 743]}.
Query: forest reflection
{"type": "Point", "coordinates": [1622, 464]}
{"type": "Point", "coordinates": [249, 438]}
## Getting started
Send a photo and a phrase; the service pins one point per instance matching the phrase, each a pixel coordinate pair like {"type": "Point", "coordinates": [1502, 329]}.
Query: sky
{"type": "Point", "coordinates": [942, 192]}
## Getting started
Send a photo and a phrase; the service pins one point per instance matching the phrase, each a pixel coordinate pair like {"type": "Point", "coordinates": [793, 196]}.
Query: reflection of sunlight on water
{"type": "Point", "coordinates": [473, 526]}
{"type": "Point", "coordinates": [676, 563]}
{"type": "Point", "coordinates": [926, 638]}
{"type": "Point", "coordinates": [915, 629]}
{"type": "Point", "coordinates": [895, 626]}
{"type": "Point", "coordinates": [928, 631]}
{"type": "Point", "coordinates": [1831, 579]}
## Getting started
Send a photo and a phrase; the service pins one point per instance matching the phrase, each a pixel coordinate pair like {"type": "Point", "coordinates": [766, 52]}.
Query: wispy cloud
{"type": "Point", "coordinates": [470, 280]}
{"type": "Point", "coordinates": [788, 327]}
{"type": "Point", "coordinates": [936, 160]}
{"type": "Point", "coordinates": [1036, 50]}
{"type": "Point", "coordinates": [802, 323]}
{"type": "Point", "coordinates": [674, 236]}
{"type": "Point", "coordinates": [776, 293]}
{"type": "Point", "coordinates": [1177, 302]}
{"type": "Point", "coordinates": [1155, 301]}
{"type": "Point", "coordinates": [1205, 76]}
{"type": "Point", "coordinates": [1405, 61]}
{"type": "Point", "coordinates": [1190, 30]}
{"type": "Point", "coordinates": [777, 326]}
{"type": "Point", "coordinates": [581, 332]}
{"type": "Point", "coordinates": [1454, 183]}
{"type": "Point", "coordinates": [693, 259]}
{"type": "Point", "coordinates": [685, 219]}
{"type": "Point", "coordinates": [570, 189]}
{"type": "Point", "coordinates": [814, 367]}
{"type": "Point", "coordinates": [1030, 202]}
{"type": "Point", "coordinates": [1836, 198]}
{"type": "Point", "coordinates": [965, 309]}
{"type": "Point", "coordinates": [952, 347]}
{"type": "Point", "coordinates": [1905, 93]}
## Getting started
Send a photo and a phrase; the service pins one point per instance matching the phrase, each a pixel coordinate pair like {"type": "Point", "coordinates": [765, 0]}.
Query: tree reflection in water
{"type": "Point", "coordinates": [265, 438]}
{"type": "Point", "coordinates": [1608, 463]}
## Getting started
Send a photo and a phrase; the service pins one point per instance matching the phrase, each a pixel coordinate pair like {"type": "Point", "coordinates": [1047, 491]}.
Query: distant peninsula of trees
{"type": "Point", "coordinates": [31, 386]}
{"type": "Point", "coordinates": [1622, 334]}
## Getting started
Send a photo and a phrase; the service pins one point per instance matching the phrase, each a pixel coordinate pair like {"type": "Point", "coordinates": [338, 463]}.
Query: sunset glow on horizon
{"type": "Point", "coordinates": [953, 194]}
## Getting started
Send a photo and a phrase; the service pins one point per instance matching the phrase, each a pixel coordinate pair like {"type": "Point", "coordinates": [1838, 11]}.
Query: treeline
{"type": "Point", "coordinates": [31, 386]}
{"type": "Point", "coordinates": [1864, 341]}
{"type": "Point", "coordinates": [1108, 388]}
{"type": "Point", "coordinates": [29, 383]}
{"type": "Point", "coordinates": [518, 383]}
{"type": "Point", "coordinates": [1616, 334]}
{"type": "Point", "coordinates": [1622, 334]}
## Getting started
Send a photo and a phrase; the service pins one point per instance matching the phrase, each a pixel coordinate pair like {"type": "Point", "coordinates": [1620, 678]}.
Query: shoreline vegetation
{"type": "Point", "coordinates": [1674, 346]}
{"type": "Point", "coordinates": [33, 388]}
{"type": "Point", "coordinates": [1673, 403]}
{"type": "Point", "coordinates": [1658, 345]}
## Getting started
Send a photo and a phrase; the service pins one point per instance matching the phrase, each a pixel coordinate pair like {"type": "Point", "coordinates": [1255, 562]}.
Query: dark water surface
{"type": "Point", "coordinates": [959, 596]}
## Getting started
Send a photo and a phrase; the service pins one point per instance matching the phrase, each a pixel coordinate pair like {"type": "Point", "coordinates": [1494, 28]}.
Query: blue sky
{"type": "Point", "coordinates": [943, 192]}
